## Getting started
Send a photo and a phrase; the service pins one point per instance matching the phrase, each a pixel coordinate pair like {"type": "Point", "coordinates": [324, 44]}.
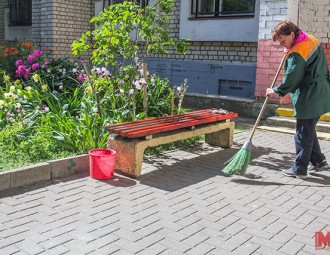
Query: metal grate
{"type": "Point", "coordinates": [20, 12]}
{"type": "Point", "coordinates": [142, 3]}
{"type": "Point", "coordinates": [219, 8]}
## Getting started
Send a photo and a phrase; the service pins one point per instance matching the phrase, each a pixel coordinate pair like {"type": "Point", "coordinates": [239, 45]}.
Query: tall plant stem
{"type": "Point", "coordinates": [145, 91]}
{"type": "Point", "coordinates": [96, 94]}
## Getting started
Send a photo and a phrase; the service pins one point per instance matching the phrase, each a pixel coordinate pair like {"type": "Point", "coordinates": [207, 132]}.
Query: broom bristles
{"type": "Point", "coordinates": [240, 161]}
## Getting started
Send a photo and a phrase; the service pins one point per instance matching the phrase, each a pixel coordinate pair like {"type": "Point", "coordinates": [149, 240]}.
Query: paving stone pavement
{"type": "Point", "coordinates": [182, 204]}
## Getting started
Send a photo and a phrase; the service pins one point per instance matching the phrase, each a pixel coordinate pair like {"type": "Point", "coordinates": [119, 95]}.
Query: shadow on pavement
{"type": "Point", "coordinates": [182, 173]}
{"type": "Point", "coordinates": [173, 173]}
{"type": "Point", "coordinates": [120, 181]}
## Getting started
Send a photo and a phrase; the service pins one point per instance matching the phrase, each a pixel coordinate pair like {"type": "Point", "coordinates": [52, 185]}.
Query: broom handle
{"type": "Point", "coordinates": [265, 103]}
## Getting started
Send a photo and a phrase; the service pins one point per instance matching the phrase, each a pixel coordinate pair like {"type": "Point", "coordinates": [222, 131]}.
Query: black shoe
{"type": "Point", "coordinates": [318, 167]}
{"type": "Point", "coordinates": [291, 173]}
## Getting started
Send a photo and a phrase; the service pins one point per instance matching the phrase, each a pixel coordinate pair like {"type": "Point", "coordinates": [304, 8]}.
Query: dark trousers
{"type": "Point", "coordinates": [307, 145]}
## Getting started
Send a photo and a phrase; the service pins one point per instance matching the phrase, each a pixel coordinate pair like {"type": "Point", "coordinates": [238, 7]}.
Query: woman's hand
{"type": "Point", "coordinates": [269, 91]}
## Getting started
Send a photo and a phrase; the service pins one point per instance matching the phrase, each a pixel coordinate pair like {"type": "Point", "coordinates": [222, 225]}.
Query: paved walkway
{"type": "Point", "coordinates": [182, 204]}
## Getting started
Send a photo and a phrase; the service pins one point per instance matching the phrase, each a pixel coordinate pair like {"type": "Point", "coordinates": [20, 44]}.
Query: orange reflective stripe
{"type": "Point", "coordinates": [305, 48]}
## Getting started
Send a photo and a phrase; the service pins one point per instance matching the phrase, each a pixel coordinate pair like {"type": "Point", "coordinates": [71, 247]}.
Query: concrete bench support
{"type": "Point", "coordinates": [130, 152]}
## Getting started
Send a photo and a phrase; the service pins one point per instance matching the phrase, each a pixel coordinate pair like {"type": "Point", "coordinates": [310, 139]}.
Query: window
{"type": "Point", "coordinates": [142, 3]}
{"type": "Point", "coordinates": [20, 12]}
{"type": "Point", "coordinates": [222, 8]}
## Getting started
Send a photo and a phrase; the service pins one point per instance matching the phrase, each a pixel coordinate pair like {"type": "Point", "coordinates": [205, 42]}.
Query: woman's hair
{"type": "Point", "coordinates": [285, 28]}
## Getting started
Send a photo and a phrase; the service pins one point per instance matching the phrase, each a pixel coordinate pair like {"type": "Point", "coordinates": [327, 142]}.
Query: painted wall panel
{"type": "Point", "coordinates": [210, 78]}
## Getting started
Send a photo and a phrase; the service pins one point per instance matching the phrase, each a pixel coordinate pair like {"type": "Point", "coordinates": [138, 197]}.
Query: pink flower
{"type": "Point", "coordinates": [19, 62]}
{"type": "Point", "coordinates": [37, 53]}
{"type": "Point", "coordinates": [20, 71]}
{"type": "Point", "coordinates": [35, 66]}
{"type": "Point", "coordinates": [30, 59]}
{"type": "Point", "coordinates": [46, 63]}
{"type": "Point", "coordinates": [27, 73]}
{"type": "Point", "coordinates": [81, 77]}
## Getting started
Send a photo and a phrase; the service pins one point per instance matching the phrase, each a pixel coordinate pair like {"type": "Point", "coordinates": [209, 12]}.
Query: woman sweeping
{"type": "Point", "coordinates": [306, 78]}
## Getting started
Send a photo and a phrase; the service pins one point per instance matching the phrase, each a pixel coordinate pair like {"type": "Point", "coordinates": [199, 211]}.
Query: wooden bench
{"type": "Point", "coordinates": [130, 139]}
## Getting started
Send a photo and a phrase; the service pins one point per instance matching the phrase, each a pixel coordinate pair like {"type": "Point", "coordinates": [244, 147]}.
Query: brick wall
{"type": "Point", "coordinates": [58, 22]}
{"type": "Point", "coordinates": [3, 4]}
{"type": "Point", "coordinates": [269, 53]}
{"type": "Point", "coordinates": [311, 16]}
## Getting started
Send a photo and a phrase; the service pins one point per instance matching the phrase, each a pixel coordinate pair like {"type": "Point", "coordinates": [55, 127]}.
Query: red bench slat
{"type": "Point", "coordinates": [166, 128]}
{"type": "Point", "coordinates": [150, 121]}
{"type": "Point", "coordinates": [168, 121]}
{"type": "Point", "coordinates": [153, 126]}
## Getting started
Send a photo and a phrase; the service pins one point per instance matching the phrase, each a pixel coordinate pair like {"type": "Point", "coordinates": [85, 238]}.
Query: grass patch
{"type": "Point", "coordinates": [240, 128]}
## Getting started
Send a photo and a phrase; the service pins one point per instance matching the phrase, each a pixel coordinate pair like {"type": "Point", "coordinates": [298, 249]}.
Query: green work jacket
{"type": "Point", "coordinates": [306, 78]}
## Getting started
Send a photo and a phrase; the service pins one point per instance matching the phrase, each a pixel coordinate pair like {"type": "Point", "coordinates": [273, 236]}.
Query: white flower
{"type": "Point", "coordinates": [35, 77]}
{"type": "Point", "coordinates": [131, 91]}
{"type": "Point", "coordinates": [104, 71]}
{"type": "Point", "coordinates": [143, 81]}
{"type": "Point", "coordinates": [121, 82]}
{"type": "Point", "coordinates": [96, 70]}
{"type": "Point", "coordinates": [9, 95]}
{"type": "Point", "coordinates": [6, 78]}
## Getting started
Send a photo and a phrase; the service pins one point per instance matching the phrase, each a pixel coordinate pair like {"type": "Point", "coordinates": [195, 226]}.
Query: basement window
{"type": "Point", "coordinates": [20, 12]}
{"type": "Point", "coordinates": [142, 3]}
{"type": "Point", "coordinates": [222, 8]}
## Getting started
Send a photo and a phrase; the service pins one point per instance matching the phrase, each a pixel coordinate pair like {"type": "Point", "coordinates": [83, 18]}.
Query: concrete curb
{"type": "Point", "coordinates": [288, 112]}
{"type": "Point", "coordinates": [44, 172]}
{"type": "Point", "coordinates": [243, 106]}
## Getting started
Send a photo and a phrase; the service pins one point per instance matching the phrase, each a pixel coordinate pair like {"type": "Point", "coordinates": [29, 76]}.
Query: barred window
{"type": "Point", "coordinates": [222, 8]}
{"type": "Point", "coordinates": [20, 12]}
{"type": "Point", "coordinates": [142, 3]}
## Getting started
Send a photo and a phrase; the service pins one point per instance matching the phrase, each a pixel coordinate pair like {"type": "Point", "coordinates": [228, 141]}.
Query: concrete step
{"type": "Point", "coordinates": [285, 122]}
{"type": "Point", "coordinates": [287, 130]}
{"type": "Point", "coordinates": [279, 121]}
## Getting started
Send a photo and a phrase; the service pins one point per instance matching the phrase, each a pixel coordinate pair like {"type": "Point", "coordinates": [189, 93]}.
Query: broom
{"type": "Point", "coordinates": [239, 162]}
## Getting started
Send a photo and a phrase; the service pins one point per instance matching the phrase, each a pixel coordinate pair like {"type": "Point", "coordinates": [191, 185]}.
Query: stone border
{"type": "Point", "coordinates": [44, 171]}
{"type": "Point", "coordinates": [243, 106]}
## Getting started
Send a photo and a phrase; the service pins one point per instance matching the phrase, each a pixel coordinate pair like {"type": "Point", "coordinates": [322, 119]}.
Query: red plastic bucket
{"type": "Point", "coordinates": [102, 163]}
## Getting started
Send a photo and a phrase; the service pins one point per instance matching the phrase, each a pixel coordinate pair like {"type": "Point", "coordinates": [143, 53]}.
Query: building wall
{"type": "Point", "coordinates": [3, 4]}
{"type": "Point", "coordinates": [212, 50]}
{"type": "Point", "coordinates": [57, 23]}
{"type": "Point", "coordinates": [269, 53]}
{"type": "Point", "coordinates": [311, 16]}
{"type": "Point", "coordinates": [244, 28]}
{"type": "Point", "coordinates": [213, 67]}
